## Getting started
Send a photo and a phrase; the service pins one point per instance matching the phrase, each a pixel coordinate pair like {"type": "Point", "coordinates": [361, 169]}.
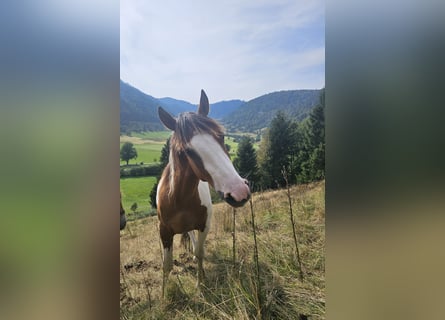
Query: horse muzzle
{"type": "Point", "coordinates": [238, 196]}
{"type": "Point", "coordinates": [234, 203]}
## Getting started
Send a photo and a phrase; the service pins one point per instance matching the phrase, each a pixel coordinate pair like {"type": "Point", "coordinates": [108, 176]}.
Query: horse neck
{"type": "Point", "coordinates": [182, 178]}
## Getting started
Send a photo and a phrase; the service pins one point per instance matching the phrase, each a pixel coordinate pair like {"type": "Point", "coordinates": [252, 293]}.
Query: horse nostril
{"type": "Point", "coordinates": [234, 203]}
{"type": "Point", "coordinates": [228, 197]}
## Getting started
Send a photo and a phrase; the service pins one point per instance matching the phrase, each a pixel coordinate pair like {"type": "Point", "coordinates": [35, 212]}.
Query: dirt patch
{"type": "Point", "coordinates": [184, 264]}
{"type": "Point", "coordinates": [136, 266]}
{"type": "Point", "coordinates": [140, 265]}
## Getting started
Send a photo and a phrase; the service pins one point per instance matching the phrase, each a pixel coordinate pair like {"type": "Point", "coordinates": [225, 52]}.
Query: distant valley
{"type": "Point", "coordinates": [138, 110]}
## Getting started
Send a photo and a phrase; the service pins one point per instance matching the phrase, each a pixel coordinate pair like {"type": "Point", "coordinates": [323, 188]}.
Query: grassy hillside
{"type": "Point", "coordinates": [231, 289]}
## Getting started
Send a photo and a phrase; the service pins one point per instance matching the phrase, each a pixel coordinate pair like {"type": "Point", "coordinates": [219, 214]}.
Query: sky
{"type": "Point", "coordinates": [231, 49]}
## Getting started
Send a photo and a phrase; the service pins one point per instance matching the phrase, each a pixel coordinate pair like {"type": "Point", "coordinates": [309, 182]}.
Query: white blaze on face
{"type": "Point", "coordinates": [216, 162]}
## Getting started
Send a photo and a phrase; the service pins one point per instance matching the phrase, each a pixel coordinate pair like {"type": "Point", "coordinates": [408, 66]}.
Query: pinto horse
{"type": "Point", "coordinates": [198, 158]}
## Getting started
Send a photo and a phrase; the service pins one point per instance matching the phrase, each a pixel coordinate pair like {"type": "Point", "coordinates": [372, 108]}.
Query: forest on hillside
{"type": "Point", "coordinates": [256, 114]}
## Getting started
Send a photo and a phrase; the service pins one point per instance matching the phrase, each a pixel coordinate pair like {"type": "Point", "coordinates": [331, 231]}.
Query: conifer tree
{"type": "Point", "coordinates": [265, 180]}
{"type": "Point", "coordinates": [280, 153]}
{"type": "Point", "coordinates": [312, 149]}
{"type": "Point", "coordinates": [246, 161]}
{"type": "Point", "coordinates": [165, 154]}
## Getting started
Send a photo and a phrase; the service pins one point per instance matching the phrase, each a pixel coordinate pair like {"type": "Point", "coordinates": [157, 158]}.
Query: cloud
{"type": "Point", "coordinates": [231, 49]}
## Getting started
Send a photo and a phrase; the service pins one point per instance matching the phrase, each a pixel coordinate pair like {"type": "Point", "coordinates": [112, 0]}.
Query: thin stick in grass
{"type": "Point", "coordinates": [255, 257]}
{"type": "Point", "coordinates": [291, 214]}
{"type": "Point", "coordinates": [147, 287]}
{"type": "Point", "coordinates": [162, 259]}
{"type": "Point", "coordinates": [233, 236]}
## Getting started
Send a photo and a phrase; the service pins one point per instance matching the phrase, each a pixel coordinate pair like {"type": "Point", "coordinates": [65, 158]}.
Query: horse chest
{"type": "Point", "coordinates": [187, 219]}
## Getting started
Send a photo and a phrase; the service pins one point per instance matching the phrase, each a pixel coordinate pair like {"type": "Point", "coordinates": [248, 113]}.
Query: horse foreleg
{"type": "Point", "coordinates": [199, 254]}
{"type": "Point", "coordinates": [206, 201]}
{"type": "Point", "coordinates": [193, 240]}
{"type": "Point", "coordinates": [167, 266]}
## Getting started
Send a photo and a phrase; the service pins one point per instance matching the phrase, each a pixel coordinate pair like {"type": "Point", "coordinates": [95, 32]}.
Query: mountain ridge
{"type": "Point", "coordinates": [257, 113]}
{"type": "Point", "coordinates": [139, 110]}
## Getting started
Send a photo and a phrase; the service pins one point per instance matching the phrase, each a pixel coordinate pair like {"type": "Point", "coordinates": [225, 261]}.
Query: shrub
{"type": "Point", "coordinates": [141, 170]}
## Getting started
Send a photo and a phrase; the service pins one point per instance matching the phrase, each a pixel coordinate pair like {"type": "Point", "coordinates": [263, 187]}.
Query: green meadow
{"type": "Point", "coordinates": [147, 153]}
{"type": "Point", "coordinates": [161, 136]}
{"type": "Point", "coordinates": [136, 190]}
{"type": "Point", "coordinates": [233, 146]}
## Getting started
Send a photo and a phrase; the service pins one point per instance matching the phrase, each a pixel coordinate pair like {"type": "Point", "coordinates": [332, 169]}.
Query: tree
{"type": "Point", "coordinates": [312, 151]}
{"type": "Point", "coordinates": [246, 161]}
{"type": "Point", "coordinates": [165, 154]}
{"type": "Point", "coordinates": [153, 193]}
{"type": "Point", "coordinates": [263, 158]}
{"type": "Point", "coordinates": [280, 152]}
{"type": "Point", "coordinates": [128, 152]}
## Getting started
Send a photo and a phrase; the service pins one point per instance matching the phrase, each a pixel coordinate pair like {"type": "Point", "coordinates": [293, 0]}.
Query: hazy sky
{"type": "Point", "coordinates": [231, 49]}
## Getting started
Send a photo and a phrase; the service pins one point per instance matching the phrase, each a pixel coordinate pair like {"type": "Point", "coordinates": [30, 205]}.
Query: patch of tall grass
{"type": "Point", "coordinates": [235, 290]}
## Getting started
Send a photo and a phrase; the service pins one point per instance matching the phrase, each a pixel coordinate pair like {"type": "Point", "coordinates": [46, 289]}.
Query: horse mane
{"type": "Point", "coordinates": [189, 124]}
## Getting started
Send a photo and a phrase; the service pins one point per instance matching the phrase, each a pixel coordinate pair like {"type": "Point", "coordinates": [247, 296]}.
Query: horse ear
{"type": "Point", "coordinates": [167, 119]}
{"type": "Point", "coordinates": [203, 107]}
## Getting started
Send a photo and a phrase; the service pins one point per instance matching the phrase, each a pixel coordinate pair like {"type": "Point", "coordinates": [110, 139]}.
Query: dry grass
{"type": "Point", "coordinates": [230, 290]}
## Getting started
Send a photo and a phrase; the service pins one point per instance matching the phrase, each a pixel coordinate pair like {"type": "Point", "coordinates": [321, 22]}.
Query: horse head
{"type": "Point", "coordinates": [200, 140]}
